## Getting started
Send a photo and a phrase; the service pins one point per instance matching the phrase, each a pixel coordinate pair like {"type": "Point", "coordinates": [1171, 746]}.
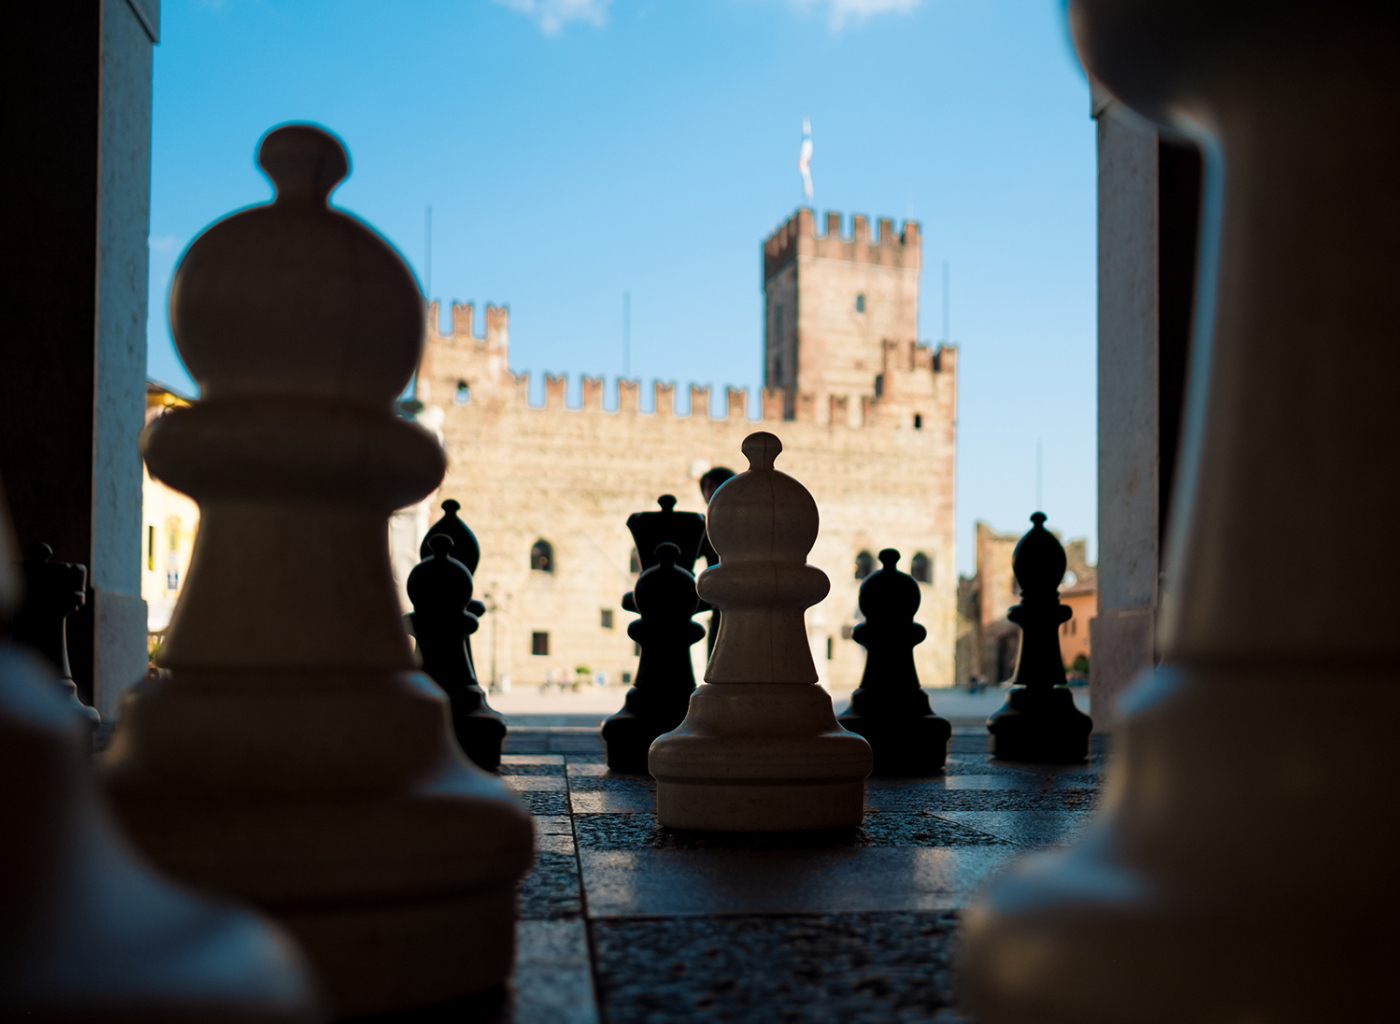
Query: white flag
{"type": "Point", "coordinates": [804, 158]}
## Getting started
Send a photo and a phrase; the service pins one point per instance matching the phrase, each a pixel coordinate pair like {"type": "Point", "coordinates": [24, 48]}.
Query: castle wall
{"type": "Point", "coordinates": [572, 477]}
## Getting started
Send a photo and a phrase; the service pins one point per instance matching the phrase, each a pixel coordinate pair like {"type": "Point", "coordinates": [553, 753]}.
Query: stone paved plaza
{"type": "Point", "coordinates": [624, 922]}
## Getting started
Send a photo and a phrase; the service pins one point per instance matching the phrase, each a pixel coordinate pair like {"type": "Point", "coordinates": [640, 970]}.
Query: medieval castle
{"type": "Point", "coordinates": [866, 412]}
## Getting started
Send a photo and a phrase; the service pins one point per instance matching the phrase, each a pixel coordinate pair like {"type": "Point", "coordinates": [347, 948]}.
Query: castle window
{"type": "Point", "coordinates": [860, 303]}
{"type": "Point", "coordinates": [636, 565]}
{"type": "Point", "coordinates": [539, 645]}
{"type": "Point", "coordinates": [921, 568]}
{"type": "Point", "coordinates": [542, 556]}
{"type": "Point", "coordinates": [150, 547]}
{"type": "Point", "coordinates": [830, 648]}
{"type": "Point", "coordinates": [865, 564]}
{"type": "Point", "coordinates": [879, 385]}
{"type": "Point", "coordinates": [918, 421]}
{"type": "Point", "coordinates": [464, 393]}
{"type": "Point", "coordinates": [605, 618]}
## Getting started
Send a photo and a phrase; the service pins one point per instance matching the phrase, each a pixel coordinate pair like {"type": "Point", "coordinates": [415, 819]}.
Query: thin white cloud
{"type": "Point", "coordinates": [840, 12]}
{"type": "Point", "coordinates": [552, 15]}
{"type": "Point", "coordinates": [162, 244]}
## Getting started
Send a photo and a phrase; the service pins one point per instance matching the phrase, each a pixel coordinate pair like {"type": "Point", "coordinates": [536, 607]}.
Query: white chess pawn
{"type": "Point", "coordinates": [760, 749]}
{"type": "Point", "coordinates": [294, 757]}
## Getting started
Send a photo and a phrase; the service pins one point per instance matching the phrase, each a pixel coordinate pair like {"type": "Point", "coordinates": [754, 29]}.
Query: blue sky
{"type": "Point", "coordinates": [574, 150]}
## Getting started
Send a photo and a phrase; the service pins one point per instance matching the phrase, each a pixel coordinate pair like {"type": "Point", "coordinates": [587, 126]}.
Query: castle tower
{"type": "Point", "coordinates": [840, 312]}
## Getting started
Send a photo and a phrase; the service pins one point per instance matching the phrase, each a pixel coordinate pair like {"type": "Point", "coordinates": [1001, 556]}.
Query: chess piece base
{"type": "Point", "coordinates": [480, 734]}
{"type": "Point", "coordinates": [628, 738]}
{"type": "Point", "coordinates": [90, 932]}
{"type": "Point", "coordinates": [1041, 725]}
{"type": "Point", "coordinates": [402, 957]}
{"type": "Point", "coordinates": [910, 747]}
{"type": "Point", "coordinates": [760, 757]}
{"type": "Point", "coordinates": [1182, 902]}
{"type": "Point", "coordinates": [398, 876]}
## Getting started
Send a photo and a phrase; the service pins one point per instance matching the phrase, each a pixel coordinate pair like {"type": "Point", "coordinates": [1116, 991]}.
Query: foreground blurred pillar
{"type": "Point", "coordinates": [1242, 868]}
{"type": "Point", "coordinates": [293, 756]}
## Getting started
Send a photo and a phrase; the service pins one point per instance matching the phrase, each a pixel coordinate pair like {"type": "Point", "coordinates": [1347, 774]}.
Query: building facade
{"type": "Point", "coordinates": [866, 412]}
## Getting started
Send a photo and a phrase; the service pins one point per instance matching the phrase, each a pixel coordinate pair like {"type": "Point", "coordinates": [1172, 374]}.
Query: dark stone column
{"type": "Point", "coordinates": [75, 216]}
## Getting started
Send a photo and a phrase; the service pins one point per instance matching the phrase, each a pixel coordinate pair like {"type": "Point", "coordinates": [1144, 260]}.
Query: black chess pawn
{"type": "Point", "coordinates": [443, 618]}
{"type": "Point", "coordinates": [657, 702]}
{"type": "Point", "coordinates": [890, 708]}
{"type": "Point", "coordinates": [52, 592]}
{"type": "Point", "coordinates": [1039, 721]}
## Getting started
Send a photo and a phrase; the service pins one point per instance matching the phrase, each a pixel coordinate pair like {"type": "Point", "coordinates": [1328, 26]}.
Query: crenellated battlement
{"type": "Point", "coordinates": [470, 370]}
{"type": "Point", "coordinates": [797, 236]}
{"type": "Point", "coordinates": [462, 316]}
{"type": "Point", "coordinates": [911, 371]}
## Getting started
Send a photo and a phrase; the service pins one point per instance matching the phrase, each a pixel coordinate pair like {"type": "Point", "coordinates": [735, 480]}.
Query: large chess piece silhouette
{"type": "Point", "coordinates": [1279, 686]}
{"type": "Point", "coordinates": [293, 756]}
{"type": "Point", "coordinates": [760, 749]}
{"type": "Point", "coordinates": [1039, 721]}
{"type": "Point", "coordinates": [665, 598]}
{"type": "Point", "coordinates": [444, 617]}
{"type": "Point", "coordinates": [88, 932]}
{"type": "Point", "coordinates": [52, 592]}
{"type": "Point", "coordinates": [890, 708]}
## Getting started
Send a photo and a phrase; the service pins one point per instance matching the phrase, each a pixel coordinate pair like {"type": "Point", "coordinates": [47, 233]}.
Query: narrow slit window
{"type": "Point", "coordinates": [921, 567]}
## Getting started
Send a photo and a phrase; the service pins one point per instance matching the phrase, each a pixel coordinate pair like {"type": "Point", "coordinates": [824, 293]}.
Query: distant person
{"type": "Point", "coordinates": [709, 483]}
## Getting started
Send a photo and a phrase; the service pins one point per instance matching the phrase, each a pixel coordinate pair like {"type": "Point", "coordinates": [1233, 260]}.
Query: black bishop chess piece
{"type": "Point", "coordinates": [659, 698]}
{"type": "Point", "coordinates": [443, 619]}
{"type": "Point", "coordinates": [890, 708]}
{"type": "Point", "coordinates": [52, 592]}
{"type": "Point", "coordinates": [1039, 721]}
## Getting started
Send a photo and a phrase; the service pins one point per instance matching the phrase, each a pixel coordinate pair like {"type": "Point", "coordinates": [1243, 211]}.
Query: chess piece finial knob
{"type": "Point", "coordinates": [761, 449]}
{"type": "Point", "coordinates": [305, 163]}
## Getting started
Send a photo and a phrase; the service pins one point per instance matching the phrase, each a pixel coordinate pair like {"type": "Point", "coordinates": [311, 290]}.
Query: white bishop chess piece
{"type": "Point", "coordinates": [293, 756]}
{"type": "Point", "coordinates": [760, 749]}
